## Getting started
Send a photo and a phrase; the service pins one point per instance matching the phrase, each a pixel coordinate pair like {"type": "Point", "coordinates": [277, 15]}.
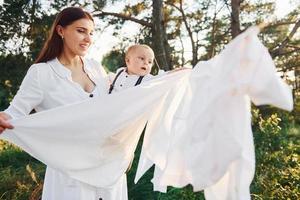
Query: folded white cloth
{"type": "Point", "coordinates": [198, 130]}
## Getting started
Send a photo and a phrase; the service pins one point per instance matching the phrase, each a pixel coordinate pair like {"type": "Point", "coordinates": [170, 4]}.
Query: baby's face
{"type": "Point", "coordinates": [139, 61]}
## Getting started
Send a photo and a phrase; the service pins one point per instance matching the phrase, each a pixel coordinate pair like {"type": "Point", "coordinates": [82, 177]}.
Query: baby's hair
{"type": "Point", "coordinates": [135, 46]}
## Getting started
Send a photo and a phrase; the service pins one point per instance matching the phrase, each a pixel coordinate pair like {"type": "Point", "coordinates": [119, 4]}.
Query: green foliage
{"type": "Point", "coordinates": [13, 69]}
{"type": "Point", "coordinates": [12, 14]}
{"type": "Point", "coordinates": [135, 9]}
{"type": "Point", "coordinates": [18, 18]}
{"type": "Point", "coordinates": [4, 96]}
{"type": "Point", "coordinates": [114, 60]}
{"type": "Point", "coordinates": [21, 175]}
{"type": "Point", "coordinates": [277, 151]}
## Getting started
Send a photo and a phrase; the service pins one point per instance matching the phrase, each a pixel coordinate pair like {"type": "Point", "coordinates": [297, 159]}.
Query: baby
{"type": "Point", "coordinates": [139, 61]}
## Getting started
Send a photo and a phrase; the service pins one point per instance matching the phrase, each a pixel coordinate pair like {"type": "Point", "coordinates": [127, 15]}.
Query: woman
{"type": "Point", "coordinates": [61, 76]}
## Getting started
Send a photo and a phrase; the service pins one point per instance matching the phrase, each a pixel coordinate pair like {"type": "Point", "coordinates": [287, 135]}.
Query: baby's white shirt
{"type": "Point", "coordinates": [126, 80]}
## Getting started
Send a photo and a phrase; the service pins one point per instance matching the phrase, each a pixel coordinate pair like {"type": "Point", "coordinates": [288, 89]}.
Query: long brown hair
{"type": "Point", "coordinates": [53, 46]}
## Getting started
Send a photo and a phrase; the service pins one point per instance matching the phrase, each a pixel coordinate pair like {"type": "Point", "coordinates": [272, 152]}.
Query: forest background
{"type": "Point", "coordinates": [181, 34]}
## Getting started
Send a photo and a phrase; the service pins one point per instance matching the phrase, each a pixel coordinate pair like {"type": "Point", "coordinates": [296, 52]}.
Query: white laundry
{"type": "Point", "coordinates": [198, 129]}
{"type": "Point", "coordinates": [208, 141]}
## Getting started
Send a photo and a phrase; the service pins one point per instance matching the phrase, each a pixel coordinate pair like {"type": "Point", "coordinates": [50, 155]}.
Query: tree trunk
{"type": "Point", "coordinates": [235, 18]}
{"type": "Point", "coordinates": [160, 42]}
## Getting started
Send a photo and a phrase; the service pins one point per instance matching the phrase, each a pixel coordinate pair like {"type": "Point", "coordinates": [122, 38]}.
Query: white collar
{"type": "Point", "coordinates": [63, 71]}
{"type": "Point", "coordinates": [126, 73]}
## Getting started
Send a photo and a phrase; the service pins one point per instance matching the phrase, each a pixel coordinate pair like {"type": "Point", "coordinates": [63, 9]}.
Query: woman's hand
{"type": "Point", "coordinates": [3, 122]}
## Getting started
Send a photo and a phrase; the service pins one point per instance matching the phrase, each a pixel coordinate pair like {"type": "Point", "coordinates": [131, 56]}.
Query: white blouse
{"type": "Point", "coordinates": [49, 85]}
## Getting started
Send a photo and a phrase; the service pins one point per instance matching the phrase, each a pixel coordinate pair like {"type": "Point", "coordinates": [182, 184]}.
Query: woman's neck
{"type": "Point", "coordinates": [70, 61]}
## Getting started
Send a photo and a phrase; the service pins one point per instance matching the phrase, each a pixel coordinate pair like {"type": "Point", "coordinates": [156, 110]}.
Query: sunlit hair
{"type": "Point", "coordinates": [53, 46]}
{"type": "Point", "coordinates": [132, 48]}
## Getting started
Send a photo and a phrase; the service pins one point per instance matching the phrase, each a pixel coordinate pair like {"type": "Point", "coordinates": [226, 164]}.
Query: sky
{"type": "Point", "coordinates": [283, 7]}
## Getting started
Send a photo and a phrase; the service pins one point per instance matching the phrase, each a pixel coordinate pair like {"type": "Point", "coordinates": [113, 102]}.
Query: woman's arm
{"type": "Point", "coordinates": [28, 96]}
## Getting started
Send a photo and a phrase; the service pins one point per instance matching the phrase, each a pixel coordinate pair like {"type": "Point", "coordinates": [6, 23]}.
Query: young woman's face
{"type": "Point", "coordinates": [77, 37]}
{"type": "Point", "coordinates": [140, 61]}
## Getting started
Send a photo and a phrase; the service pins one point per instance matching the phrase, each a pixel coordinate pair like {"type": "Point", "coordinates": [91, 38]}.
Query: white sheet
{"type": "Point", "coordinates": [198, 130]}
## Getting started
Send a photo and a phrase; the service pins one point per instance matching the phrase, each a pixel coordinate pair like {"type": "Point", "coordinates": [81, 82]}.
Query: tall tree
{"type": "Point", "coordinates": [235, 18]}
{"type": "Point", "coordinates": [156, 23]}
{"type": "Point", "coordinates": [159, 36]}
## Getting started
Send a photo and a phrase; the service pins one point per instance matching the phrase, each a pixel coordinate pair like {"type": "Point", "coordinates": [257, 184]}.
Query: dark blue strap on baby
{"type": "Point", "coordinates": [111, 88]}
